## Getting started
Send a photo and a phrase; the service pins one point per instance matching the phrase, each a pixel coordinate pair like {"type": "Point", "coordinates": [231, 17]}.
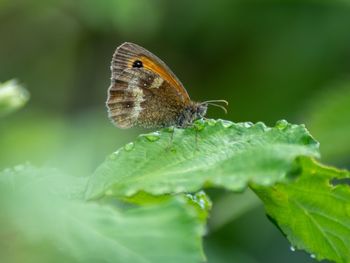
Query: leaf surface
{"type": "Point", "coordinates": [212, 153]}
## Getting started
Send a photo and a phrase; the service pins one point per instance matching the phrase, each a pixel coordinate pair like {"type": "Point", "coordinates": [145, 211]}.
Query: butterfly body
{"type": "Point", "coordinates": [144, 92]}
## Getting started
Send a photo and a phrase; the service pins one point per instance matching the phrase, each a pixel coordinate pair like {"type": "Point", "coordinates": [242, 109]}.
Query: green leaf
{"type": "Point", "coordinates": [212, 153]}
{"type": "Point", "coordinates": [12, 97]}
{"type": "Point", "coordinates": [313, 211]}
{"type": "Point", "coordinates": [58, 227]}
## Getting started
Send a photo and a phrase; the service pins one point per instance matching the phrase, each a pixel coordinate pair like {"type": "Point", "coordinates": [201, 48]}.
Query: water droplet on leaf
{"type": "Point", "coordinates": [247, 124]}
{"type": "Point", "coordinates": [227, 124]}
{"type": "Point", "coordinates": [211, 122]}
{"type": "Point", "coordinates": [173, 149]}
{"type": "Point", "coordinates": [260, 125]}
{"type": "Point", "coordinates": [202, 200]}
{"type": "Point", "coordinates": [128, 147]}
{"type": "Point", "coordinates": [281, 124]}
{"type": "Point", "coordinates": [113, 156]}
{"type": "Point", "coordinates": [152, 137]}
{"type": "Point", "coordinates": [292, 248]}
{"type": "Point", "coordinates": [199, 125]}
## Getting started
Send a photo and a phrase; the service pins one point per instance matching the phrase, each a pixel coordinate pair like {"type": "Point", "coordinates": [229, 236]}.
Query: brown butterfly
{"type": "Point", "coordinates": [146, 93]}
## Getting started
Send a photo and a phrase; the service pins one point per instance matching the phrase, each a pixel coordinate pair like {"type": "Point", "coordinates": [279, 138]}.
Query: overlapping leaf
{"type": "Point", "coordinates": [38, 210]}
{"type": "Point", "coordinates": [313, 211]}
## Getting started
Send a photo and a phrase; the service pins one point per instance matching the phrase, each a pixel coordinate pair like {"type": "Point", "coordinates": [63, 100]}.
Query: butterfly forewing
{"type": "Point", "coordinates": [143, 89]}
{"type": "Point", "coordinates": [127, 53]}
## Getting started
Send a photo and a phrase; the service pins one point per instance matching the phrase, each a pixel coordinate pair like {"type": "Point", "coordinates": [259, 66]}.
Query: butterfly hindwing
{"type": "Point", "coordinates": [125, 96]}
{"type": "Point", "coordinates": [141, 97]}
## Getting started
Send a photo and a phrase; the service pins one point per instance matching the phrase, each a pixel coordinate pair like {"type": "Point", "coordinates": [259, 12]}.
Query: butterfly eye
{"type": "Point", "coordinates": [137, 64]}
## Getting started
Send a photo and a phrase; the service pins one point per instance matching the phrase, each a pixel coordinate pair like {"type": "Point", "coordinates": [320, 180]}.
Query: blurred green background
{"type": "Point", "coordinates": [270, 59]}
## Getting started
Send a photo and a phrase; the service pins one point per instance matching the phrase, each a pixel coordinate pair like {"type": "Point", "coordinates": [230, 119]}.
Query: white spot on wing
{"type": "Point", "coordinates": [157, 82]}
{"type": "Point", "coordinates": [137, 93]}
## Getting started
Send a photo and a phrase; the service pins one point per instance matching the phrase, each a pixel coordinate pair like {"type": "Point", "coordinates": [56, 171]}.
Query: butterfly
{"type": "Point", "coordinates": [145, 92]}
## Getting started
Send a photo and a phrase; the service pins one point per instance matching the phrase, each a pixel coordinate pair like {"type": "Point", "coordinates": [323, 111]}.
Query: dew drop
{"type": "Point", "coordinates": [227, 124]}
{"type": "Point", "coordinates": [128, 147]}
{"type": "Point", "coordinates": [281, 124]}
{"type": "Point", "coordinates": [152, 137]}
{"type": "Point", "coordinates": [173, 149]}
{"type": "Point", "coordinates": [292, 248]}
{"type": "Point", "coordinates": [201, 199]}
{"type": "Point", "coordinates": [211, 122]}
{"type": "Point", "coordinates": [260, 125]}
{"type": "Point", "coordinates": [312, 256]}
{"type": "Point", "coordinates": [113, 156]}
{"type": "Point", "coordinates": [202, 203]}
{"type": "Point", "coordinates": [199, 125]}
{"type": "Point", "coordinates": [247, 124]}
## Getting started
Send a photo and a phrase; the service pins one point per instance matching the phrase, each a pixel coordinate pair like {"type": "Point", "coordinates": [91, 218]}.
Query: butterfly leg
{"type": "Point", "coordinates": [171, 138]}
{"type": "Point", "coordinates": [197, 129]}
{"type": "Point", "coordinates": [196, 141]}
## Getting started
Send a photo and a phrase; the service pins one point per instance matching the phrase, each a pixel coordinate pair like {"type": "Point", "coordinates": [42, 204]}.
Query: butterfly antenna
{"type": "Point", "coordinates": [217, 101]}
{"type": "Point", "coordinates": [217, 105]}
{"type": "Point", "coordinates": [214, 103]}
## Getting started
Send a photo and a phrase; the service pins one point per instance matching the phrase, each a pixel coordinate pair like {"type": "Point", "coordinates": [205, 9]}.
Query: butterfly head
{"type": "Point", "coordinates": [192, 112]}
{"type": "Point", "coordinates": [198, 110]}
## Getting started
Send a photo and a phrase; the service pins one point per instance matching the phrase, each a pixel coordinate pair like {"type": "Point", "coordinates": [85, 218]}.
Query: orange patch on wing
{"type": "Point", "coordinates": [153, 66]}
